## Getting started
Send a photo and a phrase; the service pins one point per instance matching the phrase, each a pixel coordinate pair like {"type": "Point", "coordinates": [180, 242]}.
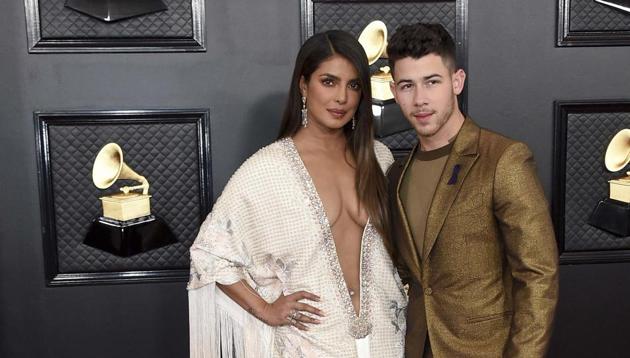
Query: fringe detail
{"type": "Point", "coordinates": [258, 338]}
{"type": "Point", "coordinates": [230, 335]}
{"type": "Point", "coordinates": [219, 327]}
{"type": "Point", "coordinates": [201, 312]}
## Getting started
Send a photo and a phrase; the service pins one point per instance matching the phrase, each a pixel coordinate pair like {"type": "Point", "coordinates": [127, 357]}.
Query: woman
{"type": "Point", "coordinates": [294, 242]}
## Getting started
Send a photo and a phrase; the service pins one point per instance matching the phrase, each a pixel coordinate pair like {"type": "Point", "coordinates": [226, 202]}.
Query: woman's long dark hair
{"type": "Point", "coordinates": [369, 180]}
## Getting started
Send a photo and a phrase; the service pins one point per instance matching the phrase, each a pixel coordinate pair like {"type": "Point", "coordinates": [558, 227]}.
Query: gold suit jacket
{"type": "Point", "coordinates": [487, 282]}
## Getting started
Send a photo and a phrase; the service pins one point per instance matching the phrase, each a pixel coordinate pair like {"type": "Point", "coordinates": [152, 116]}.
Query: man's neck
{"type": "Point", "coordinates": [446, 133]}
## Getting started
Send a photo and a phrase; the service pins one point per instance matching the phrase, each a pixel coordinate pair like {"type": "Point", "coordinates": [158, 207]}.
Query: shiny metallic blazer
{"type": "Point", "coordinates": [487, 282]}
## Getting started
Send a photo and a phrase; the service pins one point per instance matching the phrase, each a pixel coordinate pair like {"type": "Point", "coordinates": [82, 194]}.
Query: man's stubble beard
{"type": "Point", "coordinates": [442, 120]}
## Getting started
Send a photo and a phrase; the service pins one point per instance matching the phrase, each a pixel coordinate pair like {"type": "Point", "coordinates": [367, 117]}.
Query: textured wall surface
{"type": "Point", "coordinates": [515, 73]}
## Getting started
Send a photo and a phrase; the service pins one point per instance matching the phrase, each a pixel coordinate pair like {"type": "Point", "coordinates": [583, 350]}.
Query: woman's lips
{"type": "Point", "coordinates": [337, 113]}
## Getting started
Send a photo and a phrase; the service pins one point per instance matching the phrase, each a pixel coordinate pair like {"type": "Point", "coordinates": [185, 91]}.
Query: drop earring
{"type": "Point", "coordinates": [354, 122]}
{"type": "Point", "coordinates": [304, 113]}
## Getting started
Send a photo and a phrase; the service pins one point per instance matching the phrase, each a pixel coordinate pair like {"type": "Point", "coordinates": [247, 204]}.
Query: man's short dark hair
{"type": "Point", "coordinates": [419, 40]}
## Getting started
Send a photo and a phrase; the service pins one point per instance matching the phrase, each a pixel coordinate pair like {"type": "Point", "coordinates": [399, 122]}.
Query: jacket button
{"type": "Point", "coordinates": [428, 291]}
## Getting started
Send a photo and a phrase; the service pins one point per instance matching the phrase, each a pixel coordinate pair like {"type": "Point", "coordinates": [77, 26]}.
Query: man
{"type": "Point", "coordinates": [472, 234]}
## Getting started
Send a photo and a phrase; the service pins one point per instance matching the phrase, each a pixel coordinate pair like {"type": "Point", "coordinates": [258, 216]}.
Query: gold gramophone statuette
{"type": "Point", "coordinates": [373, 39]}
{"type": "Point", "coordinates": [129, 204]}
{"type": "Point", "coordinates": [612, 214]}
{"type": "Point", "coordinates": [617, 157]}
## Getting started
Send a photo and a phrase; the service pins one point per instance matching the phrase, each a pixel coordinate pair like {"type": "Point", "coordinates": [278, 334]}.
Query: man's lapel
{"type": "Point", "coordinates": [462, 157]}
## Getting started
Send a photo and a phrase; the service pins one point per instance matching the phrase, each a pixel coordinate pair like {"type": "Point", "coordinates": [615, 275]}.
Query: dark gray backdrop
{"type": "Point", "coordinates": [515, 73]}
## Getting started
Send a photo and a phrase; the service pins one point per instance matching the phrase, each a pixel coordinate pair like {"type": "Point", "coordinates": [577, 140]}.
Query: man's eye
{"type": "Point", "coordinates": [405, 86]}
{"type": "Point", "coordinates": [432, 82]}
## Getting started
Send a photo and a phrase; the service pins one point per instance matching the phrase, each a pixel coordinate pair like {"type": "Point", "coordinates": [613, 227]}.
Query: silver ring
{"type": "Point", "coordinates": [294, 314]}
{"type": "Point", "coordinates": [291, 320]}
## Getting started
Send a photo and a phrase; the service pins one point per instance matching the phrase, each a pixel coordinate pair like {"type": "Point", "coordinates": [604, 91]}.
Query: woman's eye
{"type": "Point", "coordinates": [328, 82]}
{"type": "Point", "coordinates": [355, 86]}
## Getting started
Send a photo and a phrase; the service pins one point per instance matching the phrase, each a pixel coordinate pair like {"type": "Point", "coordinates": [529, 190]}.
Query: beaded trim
{"type": "Point", "coordinates": [358, 327]}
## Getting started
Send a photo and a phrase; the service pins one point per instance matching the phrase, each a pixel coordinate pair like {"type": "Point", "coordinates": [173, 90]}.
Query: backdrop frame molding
{"type": "Point", "coordinates": [461, 22]}
{"type": "Point", "coordinates": [567, 38]}
{"type": "Point", "coordinates": [36, 44]}
{"type": "Point", "coordinates": [43, 120]}
{"type": "Point", "coordinates": [562, 108]}
{"type": "Point", "coordinates": [460, 32]}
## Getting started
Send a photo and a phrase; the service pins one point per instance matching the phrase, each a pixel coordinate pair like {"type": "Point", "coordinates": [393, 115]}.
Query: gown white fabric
{"type": "Point", "coordinates": [270, 229]}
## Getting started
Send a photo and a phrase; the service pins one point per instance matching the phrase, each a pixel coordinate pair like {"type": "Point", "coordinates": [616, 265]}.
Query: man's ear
{"type": "Point", "coordinates": [303, 87]}
{"type": "Point", "coordinates": [458, 79]}
{"type": "Point", "coordinates": [392, 87]}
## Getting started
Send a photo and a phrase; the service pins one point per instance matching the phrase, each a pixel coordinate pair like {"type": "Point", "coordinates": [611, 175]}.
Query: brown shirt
{"type": "Point", "coordinates": [418, 186]}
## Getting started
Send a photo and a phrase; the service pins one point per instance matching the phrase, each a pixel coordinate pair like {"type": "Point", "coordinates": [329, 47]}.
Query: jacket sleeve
{"type": "Point", "coordinates": [525, 224]}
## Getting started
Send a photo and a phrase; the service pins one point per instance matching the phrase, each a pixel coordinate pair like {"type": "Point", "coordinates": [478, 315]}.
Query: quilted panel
{"type": "Point", "coordinates": [400, 141]}
{"type": "Point", "coordinates": [353, 17]}
{"type": "Point", "coordinates": [58, 21]}
{"type": "Point", "coordinates": [166, 154]}
{"type": "Point", "coordinates": [588, 15]}
{"type": "Point", "coordinates": [588, 135]}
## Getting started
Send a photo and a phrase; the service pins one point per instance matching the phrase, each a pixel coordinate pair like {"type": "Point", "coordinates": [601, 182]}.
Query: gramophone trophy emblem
{"type": "Point", "coordinates": [374, 41]}
{"type": "Point", "coordinates": [127, 226]}
{"type": "Point", "coordinates": [110, 167]}
{"type": "Point", "coordinates": [612, 214]}
{"type": "Point", "coordinates": [388, 118]}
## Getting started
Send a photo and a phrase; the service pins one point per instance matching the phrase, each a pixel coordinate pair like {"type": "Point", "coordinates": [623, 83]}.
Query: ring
{"type": "Point", "coordinates": [291, 320]}
{"type": "Point", "coordinates": [294, 314]}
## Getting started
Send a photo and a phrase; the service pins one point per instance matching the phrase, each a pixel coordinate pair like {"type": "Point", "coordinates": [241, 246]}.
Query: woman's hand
{"type": "Point", "coordinates": [288, 310]}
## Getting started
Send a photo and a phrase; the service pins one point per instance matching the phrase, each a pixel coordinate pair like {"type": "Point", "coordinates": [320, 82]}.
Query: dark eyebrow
{"type": "Point", "coordinates": [431, 76]}
{"type": "Point", "coordinates": [329, 75]}
{"type": "Point", "coordinates": [425, 78]}
{"type": "Point", "coordinates": [404, 81]}
{"type": "Point", "coordinates": [336, 78]}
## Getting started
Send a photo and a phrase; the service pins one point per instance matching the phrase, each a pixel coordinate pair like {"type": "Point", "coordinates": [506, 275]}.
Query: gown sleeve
{"type": "Point", "coordinates": [219, 327]}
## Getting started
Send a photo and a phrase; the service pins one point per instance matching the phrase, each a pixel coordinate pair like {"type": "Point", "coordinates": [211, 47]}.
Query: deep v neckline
{"type": "Point", "coordinates": [359, 325]}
